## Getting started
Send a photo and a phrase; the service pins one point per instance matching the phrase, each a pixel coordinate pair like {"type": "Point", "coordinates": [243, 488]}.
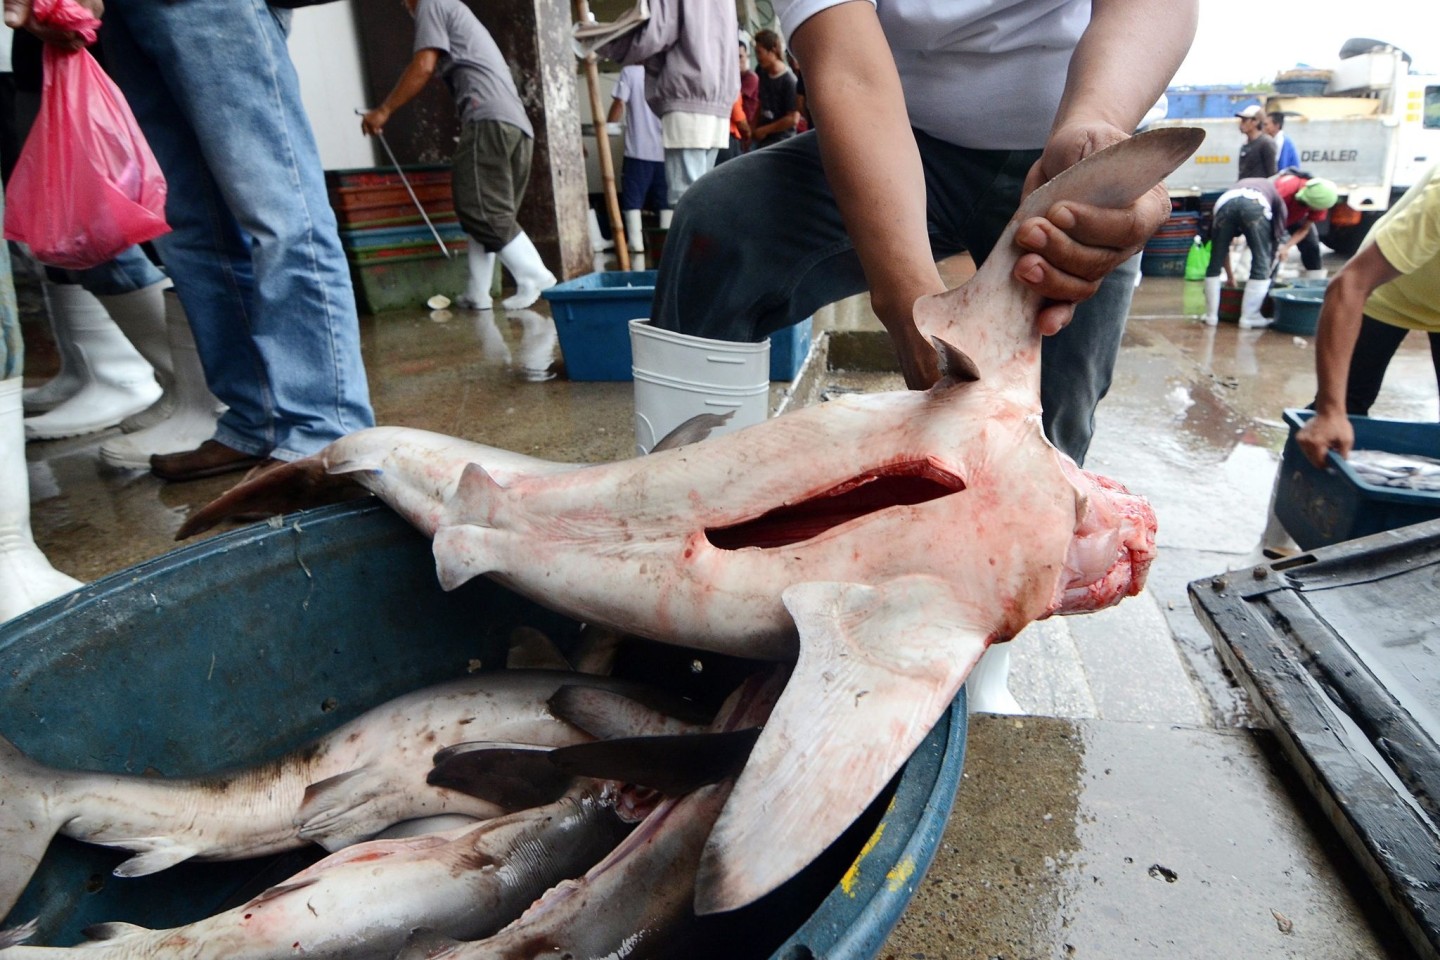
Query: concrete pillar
{"type": "Point", "coordinates": [534, 35]}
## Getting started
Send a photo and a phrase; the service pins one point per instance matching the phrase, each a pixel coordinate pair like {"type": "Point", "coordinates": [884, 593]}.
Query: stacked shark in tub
{"type": "Point", "coordinates": [881, 542]}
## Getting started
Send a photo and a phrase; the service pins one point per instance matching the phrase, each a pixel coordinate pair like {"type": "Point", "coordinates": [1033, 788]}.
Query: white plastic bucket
{"type": "Point", "coordinates": [678, 376]}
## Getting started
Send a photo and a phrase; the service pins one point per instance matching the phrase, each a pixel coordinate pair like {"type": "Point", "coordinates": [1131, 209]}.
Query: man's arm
{"type": "Point", "coordinates": [1107, 92]}
{"type": "Point", "coordinates": [19, 14]}
{"type": "Point", "coordinates": [874, 170]}
{"type": "Point", "coordinates": [1340, 319]}
{"type": "Point", "coordinates": [417, 73]}
{"type": "Point", "coordinates": [617, 111]}
{"type": "Point", "coordinates": [1293, 240]}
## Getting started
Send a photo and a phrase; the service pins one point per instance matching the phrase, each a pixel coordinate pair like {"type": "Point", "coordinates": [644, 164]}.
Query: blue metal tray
{"type": "Point", "coordinates": [241, 647]}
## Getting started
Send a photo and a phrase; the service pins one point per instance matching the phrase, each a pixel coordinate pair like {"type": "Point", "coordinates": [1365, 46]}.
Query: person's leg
{"type": "Point", "coordinates": [634, 180]}
{"type": "Point", "coordinates": [485, 207]}
{"type": "Point", "coordinates": [1374, 348]}
{"type": "Point", "coordinates": [255, 252]}
{"type": "Point", "coordinates": [1260, 236]}
{"type": "Point", "coordinates": [1224, 225]}
{"type": "Point", "coordinates": [519, 256]}
{"type": "Point", "coordinates": [26, 577]}
{"type": "Point", "coordinates": [683, 166]}
{"type": "Point", "coordinates": [1310, 257]}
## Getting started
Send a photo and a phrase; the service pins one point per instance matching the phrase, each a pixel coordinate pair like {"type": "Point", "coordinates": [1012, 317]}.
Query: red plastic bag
{"type": "Point", "coordinates": [86, 185]}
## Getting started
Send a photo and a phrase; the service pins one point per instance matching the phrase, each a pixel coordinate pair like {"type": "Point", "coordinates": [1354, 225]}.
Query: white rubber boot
{"type": "Point", "coordinates": [117, 380]}
{"type": "Point", "coordinates": [193, 411]}
{"type": "Point", "coordinates": [61, 300]}
{"type": "Point", "coordinates": [1212, 300]}
{"type": "Point", "coordinates": [597, 239]}
{"type": "Point", "coordinates": [665, 216]}
{"type": "Point", "coordinates": [1255, 291]}
{"type": "Point", "coordinates": [140, 314]}
{"type": "Point", "coordinates": [634, 231]}
{"type": "Point", "coordinates": [987, 689]}
{"type": "Point", "coordinates": [531, 276]}
{"type": "Point", "coordinates": [26, 577]}
{"type": "Point", "coordinates": [482, 276]}
{"type": "Point", "coordinates": [1320, 274]}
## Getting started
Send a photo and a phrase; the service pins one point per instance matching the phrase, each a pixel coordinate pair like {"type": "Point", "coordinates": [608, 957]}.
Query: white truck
{"type": "Point", "coordinates": [1373, 131]}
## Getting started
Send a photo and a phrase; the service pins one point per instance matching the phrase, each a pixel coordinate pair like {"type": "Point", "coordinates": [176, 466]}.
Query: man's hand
{"type": "Point", "coordinates": [1326, 432]}
{"type": "Point", "coordinates": [19, 14]}
{"type": "Point", "coordinates": [373, 122]}
{"type": "Point", "coordinates": [1073, 247]}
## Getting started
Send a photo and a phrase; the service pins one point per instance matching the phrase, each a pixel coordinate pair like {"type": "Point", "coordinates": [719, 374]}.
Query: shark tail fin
{"type": "Point", "coordinates": [29, 819]}
{"type": "Point", "coordinates": [283, 488]}
{"type": "Point", "coordinates": [463, 540]}
{"type": "Point", "coordinates": [878, 666]}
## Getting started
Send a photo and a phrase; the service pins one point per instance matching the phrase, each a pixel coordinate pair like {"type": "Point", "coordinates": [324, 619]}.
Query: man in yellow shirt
{"type": "Point", "coordinates": [1392, 286]}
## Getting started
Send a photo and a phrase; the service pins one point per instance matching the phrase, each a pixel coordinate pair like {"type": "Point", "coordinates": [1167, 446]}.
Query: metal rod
{"type": "Point", "coordinates": [408, 189]}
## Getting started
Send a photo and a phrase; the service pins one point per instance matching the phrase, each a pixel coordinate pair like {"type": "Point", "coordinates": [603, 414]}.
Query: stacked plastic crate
{"type": "Point", "coordinates": [395, 260]}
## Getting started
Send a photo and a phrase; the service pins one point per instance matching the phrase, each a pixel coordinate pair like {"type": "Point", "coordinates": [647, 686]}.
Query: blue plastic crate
{"type": "Point", "coordinates": [788, 350]}
{"type": "Point", "coordinates": [1321, 507]}
{"type": "Point", "coordinates": [592, 315]}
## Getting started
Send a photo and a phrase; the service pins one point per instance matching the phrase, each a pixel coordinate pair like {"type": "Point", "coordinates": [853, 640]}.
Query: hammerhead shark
{"type": "Point", "coordinates": [879, 542]}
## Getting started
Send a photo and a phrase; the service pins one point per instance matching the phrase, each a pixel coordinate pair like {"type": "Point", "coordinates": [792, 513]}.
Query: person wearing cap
{"type": "Point", "coordinates": [1307, 202]}
{"type": "Point", "coordinates": [1389, 288]}
{"type": "Point", "coordinates": [1258, 155]}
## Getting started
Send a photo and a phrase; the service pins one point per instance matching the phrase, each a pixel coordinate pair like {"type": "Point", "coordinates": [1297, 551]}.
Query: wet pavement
{"type": "Point", "coordinates": [1139, 811]}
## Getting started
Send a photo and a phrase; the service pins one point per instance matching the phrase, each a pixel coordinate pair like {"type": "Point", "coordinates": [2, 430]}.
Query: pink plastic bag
{"type": "Point", "coordinates": [86, 185]}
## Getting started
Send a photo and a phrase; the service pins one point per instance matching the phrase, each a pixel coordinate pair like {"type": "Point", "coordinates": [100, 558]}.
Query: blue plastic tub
{"type": "Point", "coordinates": [1321, 507]}
{"type": "Point", "coordinates": [241, 647]}
{"type": "Point", "coordinates": [592, 316]}
{"type": "Point", "coordinates": [1297, 310]}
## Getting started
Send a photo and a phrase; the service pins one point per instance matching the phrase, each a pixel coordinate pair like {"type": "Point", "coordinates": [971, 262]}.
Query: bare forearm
{"type": "Point", "coordinates": [1125, 60]}
{"type": "Point", "coordinates": [873, 167]}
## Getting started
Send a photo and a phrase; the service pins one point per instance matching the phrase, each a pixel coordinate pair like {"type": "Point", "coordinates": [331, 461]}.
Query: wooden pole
{"type": "Point", "coordinates": [602, 144]}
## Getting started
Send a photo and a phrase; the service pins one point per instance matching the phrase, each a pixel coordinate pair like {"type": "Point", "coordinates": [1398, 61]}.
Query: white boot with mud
{"type": "Point", "coordinates": [26, 577]}
{"type": "Point", "coordinates": [482, 276]}
{"type": "Point", "coordinates": [117, 382]}
{"type": "Point", "coordinates": [1212, 300]}
{"type": "Point", "coordinates": [140, 314]}
{"type": "Point", "coordinates": [1254, 299]}
{"type": "Point", "coordinates": [531, 276]}
{"type": "Point", "coordinates": [61, 301]}
{"type": "Point", "coordinates": [193, 409]}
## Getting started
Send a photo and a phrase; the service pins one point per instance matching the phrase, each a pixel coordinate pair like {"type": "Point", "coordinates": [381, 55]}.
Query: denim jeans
{"type": "Point", "coordinates": [12, 344]}
{"type": "Point", "coordinates": [757, 244]}
{"type": "Point", "coordinates": [254, 249]}
{"type": "Point", "coordinates": [131, 270]}
{"type": "Point", "coordinates": [1246, 217]}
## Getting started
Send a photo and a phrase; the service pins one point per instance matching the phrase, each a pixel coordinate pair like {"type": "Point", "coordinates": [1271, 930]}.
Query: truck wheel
{"type": "Point", "coordinates": [1346, 240]}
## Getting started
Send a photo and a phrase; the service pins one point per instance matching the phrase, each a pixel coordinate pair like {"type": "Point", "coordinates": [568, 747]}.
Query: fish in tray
{"type": "Point", "coordinates": [362, 903]}
{"type": "Point", "coordinates": [347, 786]}
{"type": "Point", "coordinates": [881, 542]}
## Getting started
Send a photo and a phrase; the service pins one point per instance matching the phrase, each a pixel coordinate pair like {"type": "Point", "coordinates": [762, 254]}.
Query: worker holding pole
{"type": "Point", "coordinates": [491, 168]}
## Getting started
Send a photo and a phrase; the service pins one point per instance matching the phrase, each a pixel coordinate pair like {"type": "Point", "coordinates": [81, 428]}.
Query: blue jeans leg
{"type": "Point", "coordinates": [254, 251]}
{"type": "Point", "coordinates": [131, 270]}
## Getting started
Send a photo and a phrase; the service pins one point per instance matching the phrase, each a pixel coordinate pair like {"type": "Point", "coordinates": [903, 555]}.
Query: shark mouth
{"type": "Point", "coordinates": [905, 483]}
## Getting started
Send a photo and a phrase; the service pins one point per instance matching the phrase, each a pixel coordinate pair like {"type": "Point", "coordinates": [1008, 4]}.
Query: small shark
{"type": "Point", "coordinates": [879, 542]}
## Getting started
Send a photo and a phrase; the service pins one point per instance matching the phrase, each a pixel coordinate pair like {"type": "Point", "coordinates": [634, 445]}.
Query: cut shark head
{"type": "Point", "coordinates": [881, 542]}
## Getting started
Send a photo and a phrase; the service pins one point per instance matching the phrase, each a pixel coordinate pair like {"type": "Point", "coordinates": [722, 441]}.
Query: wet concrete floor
{"type": "Point", "coordinates": [1138, 811]}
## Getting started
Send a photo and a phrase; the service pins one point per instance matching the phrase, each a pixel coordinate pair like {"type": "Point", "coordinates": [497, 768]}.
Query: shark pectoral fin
{"type": "Point", "coordinates": [955, 364]}
{"type": "Point", "coordinates": [153, 854]}
{"type": "Point", "coordinates": [284, 488]}
{"type": "Point", "coordinates": [280, 890]}
{"type": "Point", "coordinates": [512, 776]}
{"type": "Point", "coordinates": [462, 539]}
{"type": "Point", "coordinates": [878, 665]}
{"type": "Point", "coordinates": [335, 812]}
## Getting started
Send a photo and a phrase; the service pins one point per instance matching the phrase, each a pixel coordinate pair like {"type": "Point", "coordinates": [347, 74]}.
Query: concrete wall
{"type": "Point", "coordinates": [325, 46]}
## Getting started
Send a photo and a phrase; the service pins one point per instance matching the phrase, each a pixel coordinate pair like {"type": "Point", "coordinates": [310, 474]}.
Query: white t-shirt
{"type": "Point", "coordinates": [642, 127]}
{"type": "Point", "coordinates": [986, 74]}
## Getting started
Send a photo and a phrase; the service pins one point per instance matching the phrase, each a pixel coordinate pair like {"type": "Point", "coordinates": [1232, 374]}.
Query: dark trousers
{"type": "Point", "coordinates": [1374, 349]}
{"type": "Point", "coordinates": [757, 245]}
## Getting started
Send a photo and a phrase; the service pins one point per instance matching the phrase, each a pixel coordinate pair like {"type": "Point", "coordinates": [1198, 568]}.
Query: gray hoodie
{"type": "Point", "coordinates": [688, 50]}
